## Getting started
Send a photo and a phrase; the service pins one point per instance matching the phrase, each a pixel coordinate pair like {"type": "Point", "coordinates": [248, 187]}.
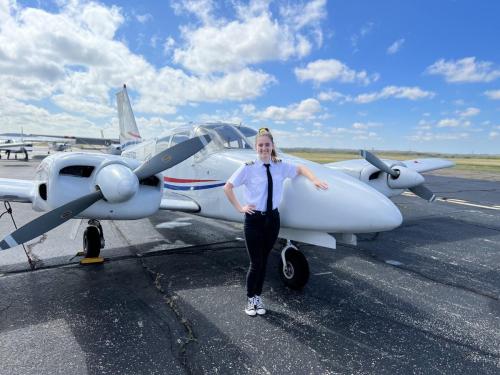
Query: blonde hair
{"type": "Point", "coordinates": [264, 132]}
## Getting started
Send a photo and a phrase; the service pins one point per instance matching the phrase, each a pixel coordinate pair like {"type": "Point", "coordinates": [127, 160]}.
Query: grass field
{"type": "Point", "coordinates": [484, 163]}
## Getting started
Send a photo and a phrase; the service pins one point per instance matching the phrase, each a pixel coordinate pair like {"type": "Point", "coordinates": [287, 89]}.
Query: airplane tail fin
{"type": "Point", "coordinates": [129, 133]}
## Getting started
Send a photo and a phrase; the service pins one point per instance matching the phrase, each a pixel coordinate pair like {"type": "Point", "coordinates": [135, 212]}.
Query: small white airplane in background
{"type": "Point", "coordinates": [130, 186]}
{"type": "Point", "coordinates": [13, 147]}
{"type": "Point", "coordinates": [23, 143]}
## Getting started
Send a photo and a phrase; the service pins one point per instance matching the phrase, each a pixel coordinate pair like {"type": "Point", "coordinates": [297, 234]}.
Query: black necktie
{"type": "Point", "coordinates": [269, 204]}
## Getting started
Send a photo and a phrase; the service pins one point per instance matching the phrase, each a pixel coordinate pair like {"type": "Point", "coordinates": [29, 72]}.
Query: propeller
{"type": "Point", "coordinates": [413, 180]}
{"type": "Point", "coordinates": [158, 163]}
{"type": "Point", "coordinates": [423, 192]}
{"type": "Point", "coordinates": [375, 161]}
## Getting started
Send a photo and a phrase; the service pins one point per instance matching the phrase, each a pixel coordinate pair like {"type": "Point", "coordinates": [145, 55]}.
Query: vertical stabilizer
{"type": "Point", "coordinates": [128, 128]}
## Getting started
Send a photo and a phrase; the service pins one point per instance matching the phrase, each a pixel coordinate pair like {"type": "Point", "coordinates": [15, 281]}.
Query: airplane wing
{"type": "Point", "coordinates": [17, 190]}
{"type": "Point", "coordinates": [355, 166]}
{"type": "Point", "coordinates": [426, 165]}
{"type": "Point", "coordinates": [392, 177]}
{"type": "Point", "coordinates": [178, 202]}
{"type": "Point", "coordinates": [12, 145]}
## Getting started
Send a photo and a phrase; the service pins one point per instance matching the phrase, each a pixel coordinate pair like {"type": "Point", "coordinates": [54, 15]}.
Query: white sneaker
{"type": "Point", "coordinates": [259, 305]}
{"type": "Point", "coordinates": [250, 309]}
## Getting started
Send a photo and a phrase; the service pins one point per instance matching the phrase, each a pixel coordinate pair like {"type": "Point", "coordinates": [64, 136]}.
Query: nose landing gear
{"type": "Point", "coordinates": [93, 242]}
{"type": "Point", "coordinates": [294, 269]}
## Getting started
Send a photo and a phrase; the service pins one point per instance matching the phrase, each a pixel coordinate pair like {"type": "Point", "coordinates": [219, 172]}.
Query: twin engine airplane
{"type": "Point", "coordinates": [186, 170]}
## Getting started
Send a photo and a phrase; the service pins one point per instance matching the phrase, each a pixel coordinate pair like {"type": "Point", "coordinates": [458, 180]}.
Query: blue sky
{"type": "Point", "coordinates": [394, 75]}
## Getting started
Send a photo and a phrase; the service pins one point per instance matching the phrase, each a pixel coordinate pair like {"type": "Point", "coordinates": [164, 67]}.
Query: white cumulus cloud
{"type": "Point", "coordinates": [464, 70]}
{"type": "Point", "coordinates": [395, 47]}
{"type": "Point", "coordinates": [400, 92]}
{"type": "Point", "coordinates": [305, 110]}
{"type": "Point", "coordinates": [469, 112]}
{"type": "Point", "coordinates": [255, 36]}
{"type": "Point", "coordinates": [426, 136]}
{"type": "Point", "coordinates": [321, 71]}
{"type": "Point", "coordinates": [493, 94]}
{"type": "Point", "coordinates": [332, 96]}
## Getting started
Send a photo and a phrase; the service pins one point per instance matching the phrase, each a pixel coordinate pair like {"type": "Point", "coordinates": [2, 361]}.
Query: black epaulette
{"type": "Point", "coordinates": [250, 163]}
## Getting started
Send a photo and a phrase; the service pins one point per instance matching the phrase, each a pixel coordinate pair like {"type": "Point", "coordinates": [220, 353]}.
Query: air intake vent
{"type": "Point", "coordinates": [42, 191]}
{"type": "Point", "coordinates": [150, 181]}
{"type": "Point", "coordinates": [77, 171]}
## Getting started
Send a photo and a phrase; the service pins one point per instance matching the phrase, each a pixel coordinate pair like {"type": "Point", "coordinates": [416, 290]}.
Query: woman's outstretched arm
{"type": "Point", "coordinates": [304, 171]}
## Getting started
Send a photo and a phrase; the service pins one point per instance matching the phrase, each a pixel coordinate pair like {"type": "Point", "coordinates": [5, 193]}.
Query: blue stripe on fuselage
{"type": "Point", "coordinates": [192, 187]}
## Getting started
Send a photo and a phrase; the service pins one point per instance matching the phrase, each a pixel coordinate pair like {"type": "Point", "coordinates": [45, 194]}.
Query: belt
{"type": "Point", "coordinates": [263, 213]}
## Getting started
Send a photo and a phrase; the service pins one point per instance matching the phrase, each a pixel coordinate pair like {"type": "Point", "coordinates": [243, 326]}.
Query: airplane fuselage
{"type": "Point", "coordinates": [348, 206]}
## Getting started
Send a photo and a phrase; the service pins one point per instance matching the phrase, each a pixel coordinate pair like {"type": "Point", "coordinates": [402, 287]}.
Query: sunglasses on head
{"type": "Point", "coordinates": [264, 131]}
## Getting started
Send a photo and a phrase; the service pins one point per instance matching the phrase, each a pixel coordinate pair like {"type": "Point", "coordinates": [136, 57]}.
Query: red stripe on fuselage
{"type": "Point", "coordinates": [184, 180]}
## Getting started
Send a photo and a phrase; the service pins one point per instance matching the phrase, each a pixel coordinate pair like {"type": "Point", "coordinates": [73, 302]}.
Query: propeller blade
{"type": "Point", "coordinates": [375, 161]}
{"type": "Point", "coordinates": [50, 220]}
{"type": "Point", "coordinates": [171, 156]}
{"type": "Point", "coordinates": [423, 193]}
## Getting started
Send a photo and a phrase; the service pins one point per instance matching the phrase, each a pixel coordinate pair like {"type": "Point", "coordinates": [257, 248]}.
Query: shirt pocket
{"type": "Point", "coordinates": [258, 183]}
{"type": "Point", "coordinates": [278, 177]}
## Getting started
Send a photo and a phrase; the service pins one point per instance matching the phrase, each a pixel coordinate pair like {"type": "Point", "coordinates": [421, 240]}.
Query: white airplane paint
{"type": "Point", "coordinates": [131, 186]}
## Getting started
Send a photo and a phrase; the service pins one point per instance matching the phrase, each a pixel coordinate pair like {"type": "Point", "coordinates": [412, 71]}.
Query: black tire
{"type": "Point", "coordinates": [91, 242]}
{"type": "Point", "coordinates": [297, 273]}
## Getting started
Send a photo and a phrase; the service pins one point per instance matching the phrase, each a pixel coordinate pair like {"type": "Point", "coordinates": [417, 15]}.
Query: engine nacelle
{"type": "Point", "coordinates": [407, 178]}
{"type": "Point", "coordinates": [388, 185]}
{"type": "Point", "coordinates": [66, 177]}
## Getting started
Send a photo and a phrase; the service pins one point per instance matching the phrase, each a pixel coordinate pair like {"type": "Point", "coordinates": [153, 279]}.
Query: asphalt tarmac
{"type": "Point", "coordinates": [421, 299]}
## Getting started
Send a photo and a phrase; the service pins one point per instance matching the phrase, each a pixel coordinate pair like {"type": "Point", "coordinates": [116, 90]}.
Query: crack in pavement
{"type": "Point", "coordinates": [170, 301]}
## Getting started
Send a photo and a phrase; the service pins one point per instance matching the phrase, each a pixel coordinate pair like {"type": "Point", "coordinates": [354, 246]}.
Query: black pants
{"type": "Point", "coordinates": [261, 232]}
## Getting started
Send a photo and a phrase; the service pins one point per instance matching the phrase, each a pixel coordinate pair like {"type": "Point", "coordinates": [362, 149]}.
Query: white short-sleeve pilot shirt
{"type": "Point", "coordinates": [253, 177]}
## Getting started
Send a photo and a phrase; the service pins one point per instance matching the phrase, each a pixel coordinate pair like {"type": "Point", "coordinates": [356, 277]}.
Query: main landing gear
{"type": "Point", "coordinates": [93, 242]}
{"type": "Point", "coordinates": [294, 269]}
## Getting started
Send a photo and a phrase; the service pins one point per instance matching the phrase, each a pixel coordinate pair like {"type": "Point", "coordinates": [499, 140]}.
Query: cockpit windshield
{"type": "Point", "coordinates": [225, 136]}
{"type": "Point", "coordinates": [229, 136]}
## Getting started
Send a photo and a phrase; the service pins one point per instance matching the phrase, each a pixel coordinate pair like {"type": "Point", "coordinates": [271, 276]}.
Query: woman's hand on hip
{"type": "Point", "coordinates": [248, 209]}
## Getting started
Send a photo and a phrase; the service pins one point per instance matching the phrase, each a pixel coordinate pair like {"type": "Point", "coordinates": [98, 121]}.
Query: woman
{"type": "Point", "coordinates": [263, 181]}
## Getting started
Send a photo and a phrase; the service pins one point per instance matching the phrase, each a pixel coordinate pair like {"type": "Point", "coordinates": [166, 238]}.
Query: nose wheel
{"type": "Point", "coordinates": [93, 242]}
{"type": "Point", "coordinates": [294, 268]}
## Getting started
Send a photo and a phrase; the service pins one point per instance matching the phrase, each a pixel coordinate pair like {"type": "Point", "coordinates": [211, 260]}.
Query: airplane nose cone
{"type": "Point", "coordinates": [348, 206]}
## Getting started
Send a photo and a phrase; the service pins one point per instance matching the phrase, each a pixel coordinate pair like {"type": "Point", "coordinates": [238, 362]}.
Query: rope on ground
{"type": "Point", "coordinates": [8, 210]}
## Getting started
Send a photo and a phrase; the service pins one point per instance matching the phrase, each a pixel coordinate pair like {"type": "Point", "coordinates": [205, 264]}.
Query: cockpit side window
{"type": "Point", "coordinates": [162, 144]}
{"type": "Point", "coordinates": [179, 137]}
